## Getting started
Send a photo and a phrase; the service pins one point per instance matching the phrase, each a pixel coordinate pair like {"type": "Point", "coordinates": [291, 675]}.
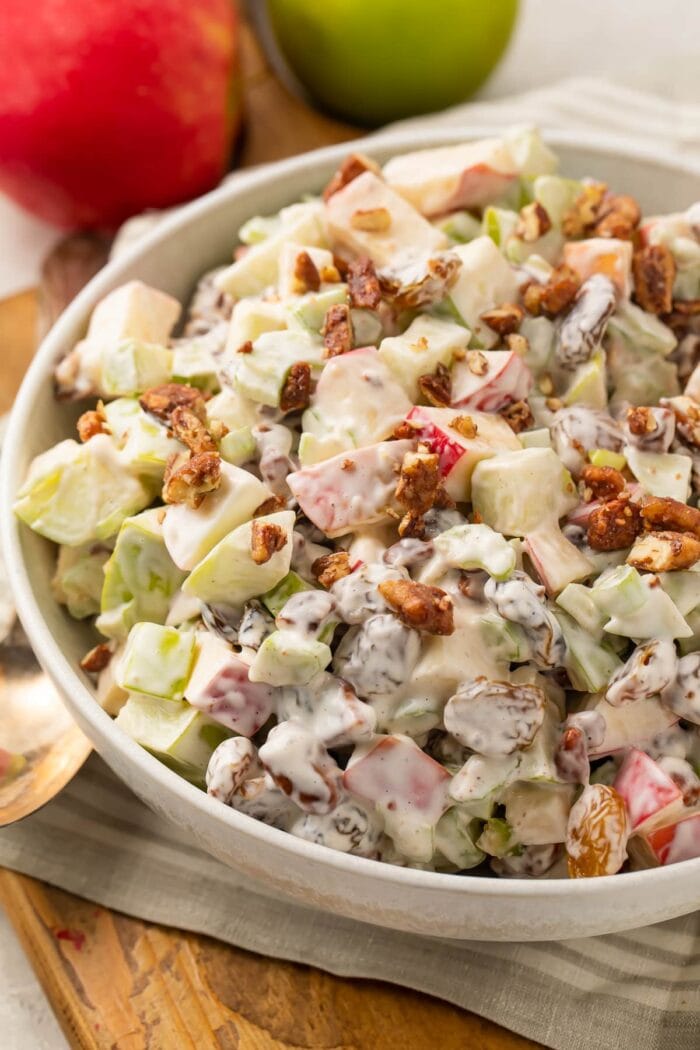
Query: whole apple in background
{"type": "Point", "coordinates": [108, 107]}
{"type": "Point", "coordinates": [372, 61]}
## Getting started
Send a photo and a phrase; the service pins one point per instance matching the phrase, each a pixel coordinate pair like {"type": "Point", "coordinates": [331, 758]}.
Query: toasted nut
{"type": "Point", "coordinates": [97, 659]}
{"type": "Point", "coordinates": [306, 275]}
{"type": "Point", "coordinates": [270, 506]}
{"type": "Point", "coordinates": [605, 483]}
{"type": "Point", "coordinates": [418, 605]}
{"type": "Point", "coordinates": [654, 271]}
{"type": "Point", "coordinates": [477, 363]}
{"type": "Point", "coordinates": [618, 216]}
{"type": "Point", "coordinates": [614, 525]}
{"type": "Point", "coordinates": [465, 426]}
{"type": "Point", "coordinates": [363, 284]}
{"type": "Point", "coordinates": [161, 401]}
{"type": "Point", "coordinates": [419, 481]}
{"type": "Point", "coordinates": [686, 411]}
{"type": "Point", "coordinates": [406, 430]}
{"type": "Point", "coordinates": [517, 343]}
{"type": "Point", "coordinates": [189, 429]}
{"type": "Point", "coordinates": [518, 416]}
{"type": "Point", "coordinates": [351, 167]}
{"type": "Point", "coordinates": [189, 480]}
{"type": "Point", "coordinates": [670, 515]}
{"type": "Point", "coordinates": [331, 567]}
{"type": "Point", "coordinates": [582, 214]}
{"type": "Point", "coordinates": [640, 420]}
{"type": "Point", "coordinates": [553, 297]}
{"type": "Point", "coordinates": [436, 388]}
{"type": "Point", "coordinates": [664, 551]}
{"type": "Point", "coordinates": [504, 319]}
{"type": "Point", "coordinates": [337, 330]}
{"type": "Point", "coordinates": [91, 423]}
{"type": "Point", "coordinates": [296, 391]}
{"type": "Point", "coordinates": [412, 526]}
{"type": "Point", "coordinates": [245, 348]}
{"type": "Point", "coordinates": [371, 220]}
{"type": "Point", "coordinates": [533, 223]}
{"type": "Point", "coordinates": [421, 283]}
{"type": "Point", "coordinates": [266, 539]}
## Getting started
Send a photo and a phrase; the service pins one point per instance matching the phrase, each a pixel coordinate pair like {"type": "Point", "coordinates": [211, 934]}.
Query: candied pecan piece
{"type": "Point", "coordinates": [582, 214]}
{"type": "Point", "coordinates": [605, 483]}
{"type": "Point", "coordinates": [553, 297]}
{"type": "Point", "coordinates": [518, 416]}
{"type": "Point", "coordinates": [371, 220]}
{"type": "Point", "coordinates": [297, 388]}
{"type": "Point", "coordinates": [664, 551]}
{"type": "Point", "coordinates": [337, 330]}
{"type": "Point", "coordinates": [670, 515]}
{"type": "Point", "coordinates": [245, 348]}
{"type": "Point", "coordinates": [504, 319]}
{"type": "Point", "coordinates": [91, 423]}
{"type": "Point", "coordinates": [189, 429]}
{"type": "Point", "coordinates": [97, 659]}
{"type": "Point", "coordinates": [331, 567]}
{"type": "Point", "coordinates": [419, 481]}
{"type": "Point", "coordinates": [436, 388]}
{"type": "Point", "coordinates": [517, 342]}
{"type": "Point", "coordinates": [363, 284]}
{"type": "Point", "coordinates": [419, 605]}
{"type": "Point", "coordinates": [686, 411]}
{"type": "Point", "coordinates": [412, 526]}
{"type": "Point", "coordinates": [270, 506]}
{"type": "Point", "coordinates": [614, 525]}
{"type": "Point", "coordinates": [266, 539]}
{"type": "Point", "coordinates": [477, 362]}
{"type": "Point", "coordinates": [306, 275]}
{"type": "Point", "coordinates": [465, 426]}
{"type": "Point", "coordinates": [161, 401]}
{"type": "Point", "coordinates": [352, 166]}
{"type": "Point", "coordinates": [654, 271]}
{"type": "Point", "coordinates": [187, 480]}
{"type": "Point", "coordinates": [618, 216]}
{"type": "Point", "coordinates": [640, 420]}
{"type": "Point", "coordinates": [533, 222]}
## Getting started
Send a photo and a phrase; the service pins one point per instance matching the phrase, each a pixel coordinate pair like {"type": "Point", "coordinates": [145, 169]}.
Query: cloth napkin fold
{"type": "Point", "coordinates": [632, 991]}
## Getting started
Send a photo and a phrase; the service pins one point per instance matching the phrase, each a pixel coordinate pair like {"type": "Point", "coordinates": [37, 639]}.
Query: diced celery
{"type": "Point", "coordinates": [499, 224]}
{"type": "Point", "coordinates": [475, 547]}
{"type": "Point", "coordinates": [505, 640]}
{"type": "Point", "coordinates": [619, 591]}
{"type": "Point", "coordinates": [277, 598]}
{"type": "Point", "coordinates": [287, 658]}
{"type": "Point", "coordinates": [683, 588]}
{"type": "Point", "coordinates": [661, 473]}
{"type": "Point", "coordinates": [238, 446]}
{"type": "Point", "coordinates": [532, 157]}
{"type": "Point", "coordinates": [157, 661]}
{"type": "Point", "coordinates": [308, 313]}
{"type": "Point", "coordinates": [415, 716]}
{"type": "Point", "coordinates": [603, 457]}
{"type": "Point", "coordinates": [588, 385]}
{"type": "Point", "coordinates": [131, 367]}
{"type": "Point", "coordinates": [455, 837]}
{"type": "Point", "coordinates": [258, 228]}
{"type": "Point", "coordinates": [576, 600]}
{"type": "Point", "coordinates": [77, 581]}
{"type": "Point", "coordinates": [590, 664]}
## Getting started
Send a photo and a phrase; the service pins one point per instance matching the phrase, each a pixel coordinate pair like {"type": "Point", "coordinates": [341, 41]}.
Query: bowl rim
{"type": "Point", "coordinates": [67, 678]}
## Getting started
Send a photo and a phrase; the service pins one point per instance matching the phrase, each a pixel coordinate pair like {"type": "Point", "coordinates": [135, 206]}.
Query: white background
{"type": "Point", "coordinates": [650, 44]}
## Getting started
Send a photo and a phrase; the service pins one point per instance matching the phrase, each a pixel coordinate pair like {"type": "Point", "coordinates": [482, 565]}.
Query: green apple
{"type": "Point", "coordinates": [393, 59]}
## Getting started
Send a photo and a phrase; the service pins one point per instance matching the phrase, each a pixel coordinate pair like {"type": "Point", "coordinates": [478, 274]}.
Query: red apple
{"type": "Point", "coordinates": [676, 842]}
{"type": "Point", "coordinates": [107, 108]}
{"type": "Point", "coordinates": [651, 796]}
{"type": "Point", "coordinates": [505, 379]}
{"type": "Point", "coordinates": [396, 775]}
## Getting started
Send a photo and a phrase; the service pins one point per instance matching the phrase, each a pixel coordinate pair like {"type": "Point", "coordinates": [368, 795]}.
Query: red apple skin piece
{"type": "Point", "coordinates": [508, 379]}
{"type": "Point", "coordinates": [396, 775]}
{"type": "Point", "coordinates": [676, 842]}
{"type": "Point", "coordinates": [108, 107]}
{"type": "Point", "coordinates": [651, 796]}
{"type": "Point", "coordinates": [229, 697]}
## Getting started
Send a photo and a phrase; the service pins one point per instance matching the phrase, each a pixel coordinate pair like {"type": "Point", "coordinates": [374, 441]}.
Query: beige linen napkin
{"type": "Point", "coordinates": [632, 991]}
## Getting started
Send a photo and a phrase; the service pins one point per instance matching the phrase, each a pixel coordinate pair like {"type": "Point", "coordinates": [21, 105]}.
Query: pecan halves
{"type": "Point", "coordinates": [419, 605]}
{"type": "Point", "coordinates": [553, 297]}
{"type": "Point", "coordinates": [605, 483]}
{"type": "Point", "coordinates": [419, 481]}
{"type": "Point", "coordinates": [351, 167]}
{"type": "Point", "coordinates": [266, 538]}
{"type": "Point", "coordinates": [618, 216]}
{"type": "Point", "coordinates": [583, 213]}
{"type": "Point", "coordinates": [654, 271]}
{"type": "Point", "coordinates": [162, 400]}
{"type": "Point", "coordinates": [504, 319]}
{"type": "Point", "coordinates": [296, 391]}
{"type": "Point", "coordinates": [363, 284]}
{"type": "Point", "coordinates": [92, 423]}
{"type": "Point", "coordinates": [189, 480]}
{"type": "Point", "coordinates": [331, 567]}
{"type": "Point", "coordinates": [614, 525]}
{"type": "Point", "coordinates": [670, 515]}
{"type": "Point", "coordinates": [337, 330]}
{"type": "Point", "coordinates": [306, 275]}
{"type": "Point", "coordinates": [436, 387]}
{"type": "Point", "coordinates": [664, 551]}
{"type": "Point", "coordinates": [189, 429]}
{"type": "Point", "coordinates": [532, 223]}
{"type": "Point", "coordinates": [518, 416]}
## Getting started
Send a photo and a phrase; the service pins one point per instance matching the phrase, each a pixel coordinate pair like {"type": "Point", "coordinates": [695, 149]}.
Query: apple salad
{"type": "Point", "coordinates": [394, 544]}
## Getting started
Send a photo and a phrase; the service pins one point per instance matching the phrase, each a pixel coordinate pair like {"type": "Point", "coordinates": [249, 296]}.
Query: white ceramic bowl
{"type": "Point", "coordinates": [172, 258]}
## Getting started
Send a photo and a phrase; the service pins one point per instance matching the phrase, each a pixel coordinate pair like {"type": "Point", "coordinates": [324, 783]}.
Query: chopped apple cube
{"type": "Point", "coordinates": [287, 658]}
{"type": "Point", "coordinates": [132, 366]}
{"type": "Point", "coordinates": [661, 473]}
{"type": "Point", "coordinates": [538, 813]}
{"type": "Point", "coordinates": [77, 581]}
{"type": "Point", "coordinates": [651, 796]}
{"type": "Point", "coordinates": [557, 562]}
{"type": "Point", "coordinates": [143, 442]}
{"type": "Point", "coordinates": [632, 725]}
{"type": "Point", "coordinates": [220, 686]}
{"type": "Point", "coordinates": [260, 374]}
{"type": "Point", "coordinates": [250, 319]}
{"type": "Point", "coordinates": [157, 661]}
{"type": "Point", "coordinates": [426, 343]}
{"type": "Point", "coordinates": [509, 490]}
{"type": "Point", "coordinates": [604, 255]}
{"type": "Point", "coordinates": [133, 311]}
{"type": "Point", "coordinates": [504, 379]}
{"type": "Point", "coordinates": [485, 281]}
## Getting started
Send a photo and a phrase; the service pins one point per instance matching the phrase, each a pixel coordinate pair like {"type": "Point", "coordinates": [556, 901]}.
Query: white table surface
{"type": "Point", "coordinates": [644, 43]}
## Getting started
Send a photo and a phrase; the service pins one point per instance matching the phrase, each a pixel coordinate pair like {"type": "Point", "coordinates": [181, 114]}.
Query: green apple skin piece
{"type": "Point", "coordinates": [143, 443]}
{"type": "Point", "coordinates": [260, 375]}
{"type": "Point", "coordinates": [556, 560]}
{"type": "Point", "coordinates": [508, 489]}
{"type": "Point", "coordinates": [538, 813]}
{"type": "Point", "coordinates": [287, 658]}
{"type": "Point", "coordinates": [426, 343]}
{"type": "Point", "coordinates": [536, 438]}
{"type": "Point", "coordinates": [497, 838]}
{"type": "Point", "coordinates": [140, 577]}
{"type": "Point", "coordinates": [400, 62]}
{"type": "Point", "coordinates": [661, 473]}
{"type": "Point", "coordinates": [499, 224]}
{"type": "Point", "coordinates": [131, 367]}
{"type": "Point", "coordinates": [134, 311]}
{"type": "Point", "coordinates": [175, 733]}
{"type": "Point", "coordinates": [484, 281]}
{"type": "Point", "coordinates": [475, 547]}
{"type": "Point", "coordinates": [250, 319]}
{"type": "Point", "coordinates": [157, 661]}
{"type": "Point", "coordinates": [194, 364]}
{"type": "Point", "coordinates": [258, 269]}
{"type": "Point", "coordinates": [228, 572]}
{"type": "Point", "coordinates": [576, 600]}
{"type": "Point", "coordinates": [460, 226]}
{"type": "Point", "coordinates": [588, 385]}
{"type": "Point", "coordinates": [77, 581]}
{"type": "Point", "coordinates": [590, 664]}
{"type": "Point", "coordinates": [276, 598]}
{"type": "Point", "coordinates": [603, 457]}
{"type": "Point", "coordinates": [238, 446]}
{"type": "Point", "coordinates": [455, 837]}
{"type": "Point", "coordinates": [307, 313]}
{"type": "Point", "coordinates": [75, 493]}
{"type": "Point", "coordinates": [189, 533]}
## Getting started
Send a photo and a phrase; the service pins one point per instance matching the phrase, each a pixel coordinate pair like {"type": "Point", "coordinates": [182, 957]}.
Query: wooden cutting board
{"type": "Point", "coordinates": [116, 982]}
